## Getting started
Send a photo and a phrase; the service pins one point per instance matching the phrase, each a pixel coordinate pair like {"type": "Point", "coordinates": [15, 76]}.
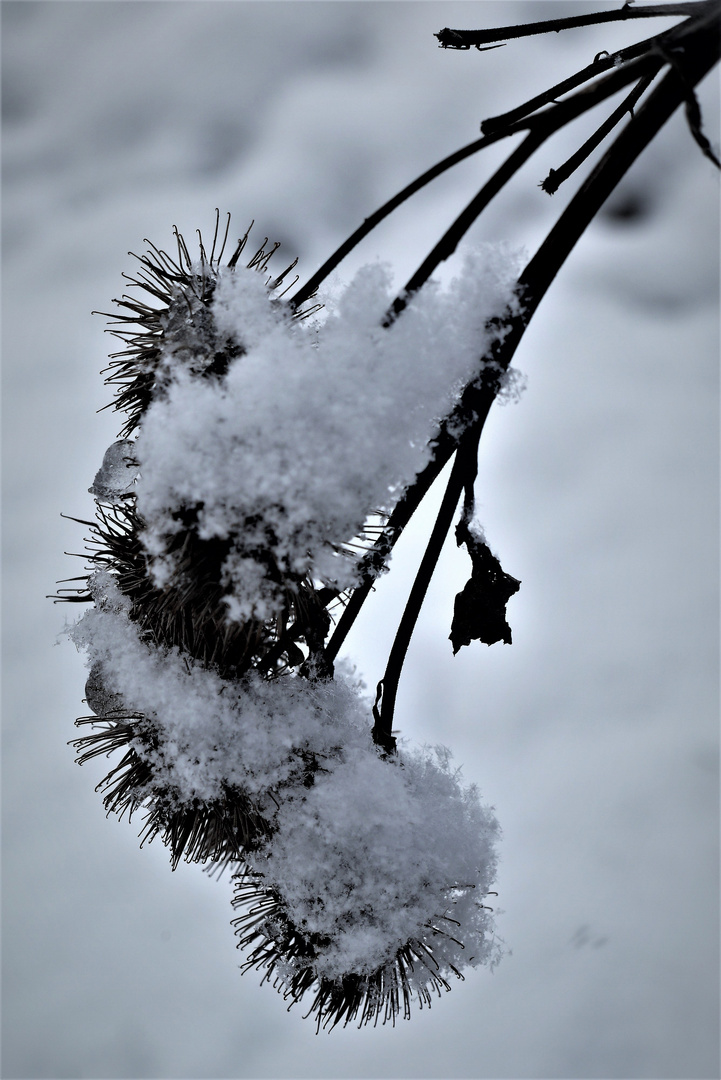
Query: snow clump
{"type": "Point", "coordinates": [312, 427]}
{"type": "Point", "coordinates": [369, 855]}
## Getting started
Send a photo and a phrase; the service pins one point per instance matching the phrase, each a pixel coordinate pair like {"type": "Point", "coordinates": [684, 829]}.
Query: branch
{"type": "Point", "coordinates": [541, 127]}
{"type": "Point", "coordinates": [310, 287]}
{"type": "Point", "coordinates": [693, 109]}
{"type": "Point", "coordinates": [700, 55]}
{"type": "Point", "coordinates": [465, 39]}
{"type": "Point", "coordinates": [549, 97]}
{"type": "Point", "coordinates": [382, 731]}
{"type": "Point", "coordinates": [557, 176]}
{"type": "Point", "coordinates": [500, 127]}
{"type": "Point", "coordinates": [308, 290]}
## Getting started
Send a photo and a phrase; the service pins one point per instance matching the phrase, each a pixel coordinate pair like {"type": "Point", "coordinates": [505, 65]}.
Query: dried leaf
{"type": "Point", "coordinates": [480, 609]}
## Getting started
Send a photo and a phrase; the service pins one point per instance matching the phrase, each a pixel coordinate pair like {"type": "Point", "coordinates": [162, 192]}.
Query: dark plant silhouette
{"type": "Point", "coordinates": [172, 595]}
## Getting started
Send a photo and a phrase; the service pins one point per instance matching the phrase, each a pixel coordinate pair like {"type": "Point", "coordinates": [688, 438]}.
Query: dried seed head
{"type": "Point", "coordinates": [170, 323]}
{"type": "Point", "coordinates": [288, 960]}
{"type": "Point", "coordinates": [171, 326]}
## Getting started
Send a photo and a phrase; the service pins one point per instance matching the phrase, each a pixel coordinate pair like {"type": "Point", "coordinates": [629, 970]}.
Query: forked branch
{"type": "Point", "coordinates": [696, 50]}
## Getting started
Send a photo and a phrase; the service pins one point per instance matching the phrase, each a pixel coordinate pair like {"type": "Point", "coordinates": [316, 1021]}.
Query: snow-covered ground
{"type": "Point", "coordinates": [594, 735]}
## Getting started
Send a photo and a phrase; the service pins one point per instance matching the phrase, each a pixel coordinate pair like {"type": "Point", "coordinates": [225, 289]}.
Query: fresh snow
{"type": "Point", "coordinates": [314, 426]}
{"type": "Point", "coordinates": [372, 855]}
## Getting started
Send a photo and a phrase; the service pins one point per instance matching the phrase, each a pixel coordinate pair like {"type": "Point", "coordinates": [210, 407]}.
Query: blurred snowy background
{"type": "Point", "coordinates": [594, 734]}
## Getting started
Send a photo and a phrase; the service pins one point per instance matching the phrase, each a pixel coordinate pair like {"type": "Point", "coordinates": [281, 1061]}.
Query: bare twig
{"type": "Point", "coordinates": [700, 54]}
{"type": "Point", "coordinates": [557, 176]}
{"type": "Point", "coordinates": [382, 731]}
{"type": "Point", "coordinates": [466, 39]}
{"type": "Point", "coordinates": [549, 97]}
{"type": "Point", "coordinates": [549, 122]}
{"type": "Point", "coordinates": [541, 126]}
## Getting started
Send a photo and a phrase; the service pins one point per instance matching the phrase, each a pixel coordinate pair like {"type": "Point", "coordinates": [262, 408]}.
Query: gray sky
{"type": "Point", "coordinates": [594, 735]}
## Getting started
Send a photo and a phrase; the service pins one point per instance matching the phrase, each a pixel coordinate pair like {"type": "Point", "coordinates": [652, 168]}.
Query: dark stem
{"type": "Point", "coordinates": [465, 39]}
{"type": "Point", "coordinates": [548, 122]}
{"type": "Point", "coordinates": [548, 97]}
{"type": "Point", "coordinates": [541, 127]}
{"type": "Point", "coordinates": [557, 176]}
{"type": "Point", "coordinates": [371, 565]}
{"type": "Point", "coordinates": [310, 287]}
{"type": "Point", "coordinates": [701, 53]}
{"type": "Point", "coordinates": [382, 731]}
{"type": "Point", "coordinates": [477, 397]}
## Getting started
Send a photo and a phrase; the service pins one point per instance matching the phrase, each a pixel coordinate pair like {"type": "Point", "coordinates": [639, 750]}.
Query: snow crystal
{"type": "Point", "coordinates": [512, 385]}
{"type": "Point", "coordinates": [312, 427]}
